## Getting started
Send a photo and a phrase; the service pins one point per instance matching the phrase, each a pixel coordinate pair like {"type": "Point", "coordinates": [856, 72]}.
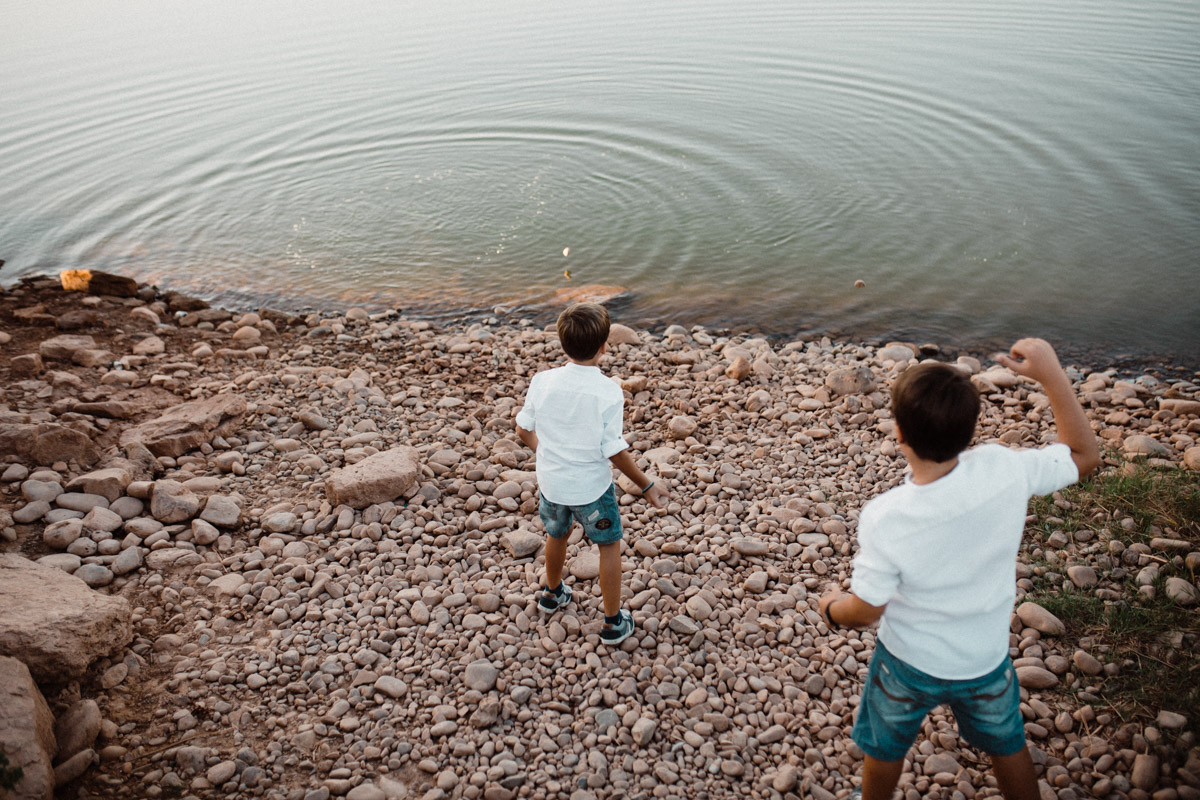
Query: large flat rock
{"type": "Point", "coordinates": [47, 443]}
{"type": "Point", "coordinates": [55, 623]}
{"type": "Point", "coordinates": [187, 426]}
{"type": "Point", "coordinates": [380, 478]}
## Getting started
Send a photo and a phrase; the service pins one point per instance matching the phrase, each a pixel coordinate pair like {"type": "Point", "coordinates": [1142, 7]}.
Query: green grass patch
{"type": "Point", "coordinates": [1155, 643]}
{"type": "Point", "coordinates": [1152, 497]}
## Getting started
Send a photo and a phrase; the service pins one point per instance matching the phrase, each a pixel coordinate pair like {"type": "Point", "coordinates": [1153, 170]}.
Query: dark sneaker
{"type": "Point", "coordinates": [549, 602]}
{"type": "Point", "coordinates": [615, 634]}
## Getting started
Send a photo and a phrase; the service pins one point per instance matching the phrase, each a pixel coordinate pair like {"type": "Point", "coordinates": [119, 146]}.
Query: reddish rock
{"type": "Point", "coordinates": [96, 282]}
{"type": "Point", "coordinates": [47, 443]}
{"type": "Point", "coordinates": [54, 623]}
{"type": "Point", "coordinates": [1180, 407]}
{"type": "Point", "coordinates": [739, 369]}
{"type": "Point", "coordinates": [108, 483]}
{"type": "Point", "coordinates": [26, 730]}
{"type": "Point", "coordinates": [621, 334]}
{"type": "Point", "coordinates": [189, 425]}
{"type": "Point", "coordinates": [856, 380]}
{"type": "Point", "coordinates": [380, 478]}
{"type": "Point", "coordinates": [1040, 619]}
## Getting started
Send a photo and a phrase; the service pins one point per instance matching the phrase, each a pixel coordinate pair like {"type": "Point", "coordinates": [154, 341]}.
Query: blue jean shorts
{"type": "Point", "coordinates": [897, 697]}
{"type": "Point", "coordinates": [601, 518]}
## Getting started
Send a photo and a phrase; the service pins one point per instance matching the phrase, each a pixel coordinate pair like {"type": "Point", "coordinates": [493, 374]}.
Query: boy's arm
{"type": "Point", "coordinates": [1036, 359]}
{"type": "Point", "coordinates": [651, 490]}
{"type": "Point", "coordinates": [848, 610]}
{"type": "Point", "coordinates": [528, 437]}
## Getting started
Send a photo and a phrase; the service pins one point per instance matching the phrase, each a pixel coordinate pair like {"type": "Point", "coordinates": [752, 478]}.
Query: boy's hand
{"type": "Point", "coordinates": [657, 495]}
{"type": "Point", "coordinates": [831, 595]}
{"type": "Point", "coordinates": [1033, 358]}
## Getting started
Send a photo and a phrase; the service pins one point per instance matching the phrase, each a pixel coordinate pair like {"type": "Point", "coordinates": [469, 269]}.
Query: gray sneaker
{"type": "Point", "coordinates": [615, 634]}
{"type": "Point", "coordinates": [549, 602]}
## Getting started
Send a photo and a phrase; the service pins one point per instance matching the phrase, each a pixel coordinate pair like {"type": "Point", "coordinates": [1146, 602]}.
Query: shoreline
{"type": "Point", "coordinates": [623, 305]}
{"type": "Point", "coordinates": [309, 646]}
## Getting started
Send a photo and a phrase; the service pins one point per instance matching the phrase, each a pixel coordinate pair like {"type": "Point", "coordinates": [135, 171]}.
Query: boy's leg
{"type": "Point", "coordinates": [988, 714]}
{"type": "Point", "coordinates": [1016, 775]}
{"type": "Point", "coordinates": [880, 778]}
{"type": "Point", "coordinates": [556, 556]}
{"type": "Point", "coordinates": [610, 577]}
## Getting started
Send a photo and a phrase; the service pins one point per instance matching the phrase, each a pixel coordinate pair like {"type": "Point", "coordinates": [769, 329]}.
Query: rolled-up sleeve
{"type": "Point", "coordinates": [612, 439]}
{"type": "Point", "coordinates": [874, 579]}
{"type": "Point", "coordinates": [525, 417]}
{"type": "Point", "coordinates": [1049, 469]}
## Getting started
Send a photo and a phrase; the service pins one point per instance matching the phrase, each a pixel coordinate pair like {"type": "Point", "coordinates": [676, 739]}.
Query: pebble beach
{"type": "Point", "coordinates": [305, 549]}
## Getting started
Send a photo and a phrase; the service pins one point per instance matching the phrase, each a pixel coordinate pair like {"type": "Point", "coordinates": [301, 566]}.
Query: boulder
{"type": "Point", "coordinates": [108, 483]}
{"type": "Point", "coordinates": [96, 282]}
{"type": "Point", "coordinates": [172, 502]}
{"type": "Point", "coordinates": [76, 729]}
{"type": "Point", "coordinates": [66, 347]}
{"type": "Point", "coordinates": [739, 368]}
{"type": "Point", "coordinates": [521, 542]}
{"type": "Point", "coordinates": [481, 675]}
{"type": "Point", "coordinates": [56, 624]}
{"type": "Point", "coordinates": [221, 511]}
{"type": "Point", "coordinates": [1040, 619]}
{"type": "Point", "coordinates": [855, 380]}
{"type": "Point", "coordinates": [1142, 445]}
{"type": "Point", "coordinates": [1032, 677]}
{"type": "Point", "coordinates": [26, 730]}
{"type": "Point", "coordinates": [1180, 407]}
{"type": "Point", "coordinates": [681, 427]}
{"type": "Point", "coordinates": [622, 334]}
{"type": "Point", "coordinates": [47, 443]}
{"type": "Point", "coordinates": [1182, 592]}
{"type": "Point", "coordinates": [187, 426]}
{"type": "Point", "coordinates": [380, 478]}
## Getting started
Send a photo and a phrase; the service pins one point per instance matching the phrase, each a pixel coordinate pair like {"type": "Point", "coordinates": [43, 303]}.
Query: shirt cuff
{"type": "Point", "coordinates": [610, 449]}
{"type": "Point", "coordinates": [525, 420]}
{"type": "Point", "coordinates": [872, 595]}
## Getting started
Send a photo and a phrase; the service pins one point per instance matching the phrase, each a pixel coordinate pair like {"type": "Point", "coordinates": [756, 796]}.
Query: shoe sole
{"type": "Point", "coordinates": [615, 642]}
{"type": "Point", "coordinates": [562, 604]}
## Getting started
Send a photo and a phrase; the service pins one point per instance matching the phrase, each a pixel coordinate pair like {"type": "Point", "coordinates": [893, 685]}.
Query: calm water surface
{"type": "Point", "coordinates": [987, 169]}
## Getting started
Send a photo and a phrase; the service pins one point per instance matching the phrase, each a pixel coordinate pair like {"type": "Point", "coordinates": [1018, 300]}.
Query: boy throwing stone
{"type": "Point", "coordinates": [936, 562]}
{"type": "Point", "coordinates": [572, 419]}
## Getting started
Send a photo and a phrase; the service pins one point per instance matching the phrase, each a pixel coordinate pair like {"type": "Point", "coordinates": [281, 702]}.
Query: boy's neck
{"type": "Point", "coordinates": [594, 361]}
{"type": "Point", "coordinates": [925, 471]}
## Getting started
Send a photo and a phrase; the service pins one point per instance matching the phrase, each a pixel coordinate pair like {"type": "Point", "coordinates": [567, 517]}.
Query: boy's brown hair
{"type": "Point", "coordinates": [583, 329]}
{"type": "Point", "coordinates": [936, 407]}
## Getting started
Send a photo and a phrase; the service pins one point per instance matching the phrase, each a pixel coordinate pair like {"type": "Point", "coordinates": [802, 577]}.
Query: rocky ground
{"type": "Point", "coordinates": [281, 629]}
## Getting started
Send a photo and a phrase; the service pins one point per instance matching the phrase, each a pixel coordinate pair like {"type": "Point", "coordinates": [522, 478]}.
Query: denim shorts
{"type": "Point", "coordinates": [601, 518]}
{"type": "Point", "coordinates": [897, 697]}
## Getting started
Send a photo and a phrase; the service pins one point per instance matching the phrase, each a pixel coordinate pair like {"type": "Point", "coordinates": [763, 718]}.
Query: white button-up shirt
{"type": "Point", "coordinates": [576, 413]}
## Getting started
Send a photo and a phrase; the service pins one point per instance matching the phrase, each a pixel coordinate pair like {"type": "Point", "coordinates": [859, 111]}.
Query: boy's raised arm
{"type": "Point", "coordinates": [1036, 359]}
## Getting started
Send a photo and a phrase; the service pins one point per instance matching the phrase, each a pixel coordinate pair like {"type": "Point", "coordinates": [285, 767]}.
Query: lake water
{"type": "Point", "coordinates": [987, 169]}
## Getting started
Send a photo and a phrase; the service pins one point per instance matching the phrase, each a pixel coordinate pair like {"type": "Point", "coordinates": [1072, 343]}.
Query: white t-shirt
{"type": "Point", "coordinates": [577, 415]}
{"type": "Point", "coordinates": [942, 556]}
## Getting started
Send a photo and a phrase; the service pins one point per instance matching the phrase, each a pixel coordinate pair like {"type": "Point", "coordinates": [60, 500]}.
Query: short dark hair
{"type": "Point", "coordinates": [583, 329]}
{"type": "Point", "coordinates": [936, 407]}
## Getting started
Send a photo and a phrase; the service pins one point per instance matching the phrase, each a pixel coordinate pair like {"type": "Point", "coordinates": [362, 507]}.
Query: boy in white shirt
{"type": "Point", "coordinates": [936, 561]}
{"type": "Point", "coordinates": [572, 419]}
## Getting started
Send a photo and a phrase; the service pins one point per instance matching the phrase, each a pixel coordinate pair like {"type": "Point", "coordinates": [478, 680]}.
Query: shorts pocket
{"type": "Point", "coordinates": [995, 689]}
{"type": "Point", "coordinates": [891, 686]}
